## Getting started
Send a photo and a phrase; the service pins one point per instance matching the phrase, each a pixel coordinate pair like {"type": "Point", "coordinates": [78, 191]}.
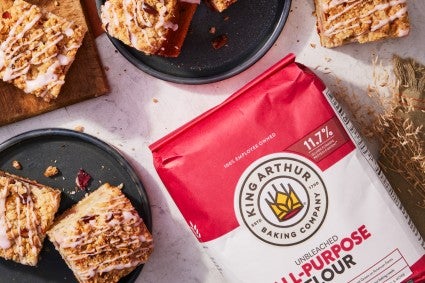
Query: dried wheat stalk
{"type": "Point", "coordinates": [385, 121]}
{"type": "Point", "coordinates": [403, 144]}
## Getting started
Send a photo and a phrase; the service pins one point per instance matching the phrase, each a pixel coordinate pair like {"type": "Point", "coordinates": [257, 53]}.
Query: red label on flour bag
{"type": "Point", "coordinates": [278, 186]}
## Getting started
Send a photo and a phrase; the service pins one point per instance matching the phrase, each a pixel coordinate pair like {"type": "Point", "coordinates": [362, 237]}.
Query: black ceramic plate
{"type": "Point", "coordinates": [251, 26]}
{"type": "Point", "coordinates": [69, 151]}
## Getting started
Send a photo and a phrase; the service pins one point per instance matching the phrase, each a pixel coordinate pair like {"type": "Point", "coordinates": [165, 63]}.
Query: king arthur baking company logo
{"type": "Point", "coordinates": [281, 199]}
{"type": "Point", "coordinates": [285, 205]}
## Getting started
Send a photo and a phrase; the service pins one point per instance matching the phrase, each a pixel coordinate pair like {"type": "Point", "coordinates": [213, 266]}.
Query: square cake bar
{"type": "Point", "coordinates": [102, 238]}
{"type": "Point", "coordinates": [344, 21]}
{"type": "Point", "coordinates": [27, 210]}
{"type": "Point", "coordinates": [37, 48]}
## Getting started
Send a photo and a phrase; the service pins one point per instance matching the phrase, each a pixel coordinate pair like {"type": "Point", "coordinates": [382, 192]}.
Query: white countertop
{"type": "Point", "coordinates": [140, 109]}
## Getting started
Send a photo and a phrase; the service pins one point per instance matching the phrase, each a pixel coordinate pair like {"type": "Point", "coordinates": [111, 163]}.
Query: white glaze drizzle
{"type": "Point", "coordinates": [191, 1]}
{"type": "Point", "coordinates": [345, 10]}
{"type": "Point", "coordinates": [336, 28]}
{"type": "Point", "coordinates": [22, 193]}
{"type": "Point", "coordinates": [44, 79]}
{"type": "Point", "coordinates": [137, 20]}
{"type": "Point", "coordinates": [19, 240]}
{"type": "Point", "coordinates": [12, 38]}
{"type": "Point", "coordinates": [4, 240]}
{"type": "Point", "coordinates": [403, 32]}
{"type": "Point", "coordinates": [140, 6]}
{"type": "Point", "coordinates": [31, 221]}
{"type": "Point", "coordinates": [391, 18]}
{"type": "Point", "coordinates": [335, 3]}
{"type": "Point", "coordinates": [107, 225]}
{"type": "Point", "coordinates": [9, 54]}
{"type": "Point", "coordinates": [52, 41]}
{"type": "Point", "coordinates": [341, 26]}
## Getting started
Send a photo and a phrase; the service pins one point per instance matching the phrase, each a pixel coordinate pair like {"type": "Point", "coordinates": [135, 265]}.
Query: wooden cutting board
{"type": "Point", "coordinates": [85, 79]}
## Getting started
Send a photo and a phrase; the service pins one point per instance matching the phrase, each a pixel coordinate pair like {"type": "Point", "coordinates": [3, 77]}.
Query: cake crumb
{"type": "Point", "coordinates": [16, 165]}
{"type": "Point", "coordinates": [313, 45]}
{"type": "Point", "coordinates": [155, 100]}
{"type": "Point", "coordinates": [79, 129]}
{"type": "Point", "coordinates": [327, 59]}
{"type": "Point", "coordinates": [51, 171]}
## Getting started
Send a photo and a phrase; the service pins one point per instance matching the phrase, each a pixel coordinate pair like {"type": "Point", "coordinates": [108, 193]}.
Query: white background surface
{"type": "Point", "coordinates": [141, 109]}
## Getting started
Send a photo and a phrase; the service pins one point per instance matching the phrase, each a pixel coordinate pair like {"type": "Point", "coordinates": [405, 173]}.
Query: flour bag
{"type": "Point", "coordinates": [278, 187]}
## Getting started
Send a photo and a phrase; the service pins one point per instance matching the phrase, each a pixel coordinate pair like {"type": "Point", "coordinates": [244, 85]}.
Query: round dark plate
{"type": "Point", "coordinates": [69, 151]}
{"type": "Point", "coordinates": [251, 26]}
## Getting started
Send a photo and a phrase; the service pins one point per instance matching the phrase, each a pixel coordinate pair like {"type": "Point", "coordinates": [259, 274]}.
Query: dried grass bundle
{"type": "Point", "coordinates": [393, 119]}
{"type": "Point", "coordinates": [402, 145]}
{"type": "Point", "coordinates": [400, 130]}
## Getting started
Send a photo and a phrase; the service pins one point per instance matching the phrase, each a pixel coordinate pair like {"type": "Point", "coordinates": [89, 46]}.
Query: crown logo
{"type": "Point", "coordinates": [284, 204]}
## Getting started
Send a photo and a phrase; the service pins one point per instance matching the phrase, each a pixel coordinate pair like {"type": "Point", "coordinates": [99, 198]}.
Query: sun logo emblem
{"type": "Point", "coordinates": [285, 204]}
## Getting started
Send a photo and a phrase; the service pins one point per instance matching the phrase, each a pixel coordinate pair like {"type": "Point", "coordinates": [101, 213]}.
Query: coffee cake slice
{"type": "Point", "coordinates": [102, 238]}
{"type": "Point", "coordinates": [27, 210]}
{"type": "Point", "coordinates": [37, 48]}
{"type": "Point", "coordinates": [344, 21]}
{"type": "Point", "coordinates": [151, 26]}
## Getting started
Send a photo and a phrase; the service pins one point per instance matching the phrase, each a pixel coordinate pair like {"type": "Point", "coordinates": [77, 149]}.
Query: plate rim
{"type": "Point", "coordinates": [109, 149]}
{"type": "Point", "coordinates": [246, 64]}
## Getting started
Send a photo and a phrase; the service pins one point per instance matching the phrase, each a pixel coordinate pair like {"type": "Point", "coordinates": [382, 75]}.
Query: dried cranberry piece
{"type": "Point", "coordinates": [83, 179]}
{"type": "Point", "coordinates": [149, 9]}
{"type": "Point", "coordinates": [24, 232]}
{"type": "Point", "coordinates": [219, 41]}
{"type": "Point", "coordinates": [88, 218]}
{"type": "Point", "coordinates": [6, 15]}
{"type": "Point", "coordinates": [24, 198]}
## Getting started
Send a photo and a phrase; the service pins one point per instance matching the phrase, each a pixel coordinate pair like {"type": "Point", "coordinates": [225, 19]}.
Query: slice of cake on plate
{"type": "Point", "coordinates": [37, 49]}
{"type": "Point", "coordinates": [344, 21]}
{"type": "Point", "coordinates": [151, 26]}
{"type": "Point", "coordinates": [27, 210]}
{"type": "Point", "coordinates": [102, 238]}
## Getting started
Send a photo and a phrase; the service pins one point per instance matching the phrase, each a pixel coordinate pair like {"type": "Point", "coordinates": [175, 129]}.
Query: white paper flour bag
{"type": "Point", "coordinates": [279, 188]}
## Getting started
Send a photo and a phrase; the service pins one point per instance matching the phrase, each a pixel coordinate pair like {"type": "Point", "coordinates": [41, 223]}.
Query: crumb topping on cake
{"type": "Point", "coordinates": [51, 171]}
{"type": "Point", "coordinates": [36, 49]}
{"type": "Point", "coordinates": [4, 239]}
{"type": "Point", "coordinates": [142, 24]}
{"type": "Point", "coordinates": [27, 210]}
{"type": "Point", "coordinates": [102, 238]}
{"type": "Point", "coordinates": [343, 21]}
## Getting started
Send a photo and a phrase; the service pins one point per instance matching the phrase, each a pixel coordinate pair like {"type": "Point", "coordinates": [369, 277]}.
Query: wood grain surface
{"type": "Point", "coordinates": [85, 79]}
